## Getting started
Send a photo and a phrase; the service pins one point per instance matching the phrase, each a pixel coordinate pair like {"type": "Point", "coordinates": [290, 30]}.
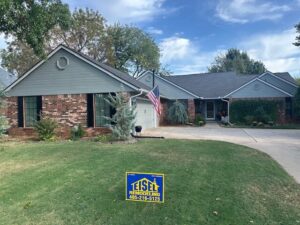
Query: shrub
{"type": "Point", "coordinates": [296, 103]}
{"type": "Point", "coordinates": [77, 132]}
{"type": "Point", "coordinates": [3, 125]}
{"type": "Point", "coordinates": [248, 111]}
{"type": "Point", "coordinates": [199, 120]}
{"type": "Point", "coordinates": [177, 113]}
{"type": "Point", "coordinates": [122, 122]}
{"type": "Point", "coordinates": [46, 128]}
{"type": "Point", "coordinates": [249, 119]}
{"type": "Point", "coordinates": [3, 120]}
{"type": "Point", "coordinates": [104, 138]}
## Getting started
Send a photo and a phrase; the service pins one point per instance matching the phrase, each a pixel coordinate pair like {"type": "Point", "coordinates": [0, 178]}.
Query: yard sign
{"type": "Point", "coordinates": [145, 187]}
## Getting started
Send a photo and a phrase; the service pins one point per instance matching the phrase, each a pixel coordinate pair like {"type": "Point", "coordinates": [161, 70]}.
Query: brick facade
{"type": "Point", "coordinates": [66, 110]}
{"type": "Point", "coordinates": [191, 110]}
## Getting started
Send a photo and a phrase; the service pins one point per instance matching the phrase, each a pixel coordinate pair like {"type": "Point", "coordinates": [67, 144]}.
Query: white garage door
{"type": "Point", "coordinates": [145, 114]}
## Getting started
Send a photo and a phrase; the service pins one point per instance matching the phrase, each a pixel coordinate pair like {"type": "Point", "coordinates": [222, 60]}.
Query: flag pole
{"type": "Point", "coordinates": [153, 78]}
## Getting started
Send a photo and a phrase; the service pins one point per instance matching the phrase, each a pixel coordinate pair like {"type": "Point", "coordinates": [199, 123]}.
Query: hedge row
{"type": "Point", "coordinates": [247, 111]}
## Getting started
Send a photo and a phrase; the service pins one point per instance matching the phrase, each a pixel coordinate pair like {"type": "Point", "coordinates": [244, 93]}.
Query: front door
{"type": "Point", "coordinates": [210, 110]}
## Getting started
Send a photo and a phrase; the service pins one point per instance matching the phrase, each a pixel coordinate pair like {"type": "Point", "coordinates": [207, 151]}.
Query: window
{"type": "Point", "coordinates": [30, 111]}
{"type": "Point", "coordinates": [102, 110]}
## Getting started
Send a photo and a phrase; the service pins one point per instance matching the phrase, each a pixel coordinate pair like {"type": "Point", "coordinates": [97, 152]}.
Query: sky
{"type": "Point", "coordinates": [191, 34]}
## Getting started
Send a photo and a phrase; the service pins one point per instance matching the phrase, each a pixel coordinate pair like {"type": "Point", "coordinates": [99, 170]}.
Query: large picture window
{"type": "Point", "coordinates": [102, 110]}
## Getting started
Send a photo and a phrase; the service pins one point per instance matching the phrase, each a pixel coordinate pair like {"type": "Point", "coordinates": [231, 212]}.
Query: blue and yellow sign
{"type": "Point", "coordinates": [145, 187]}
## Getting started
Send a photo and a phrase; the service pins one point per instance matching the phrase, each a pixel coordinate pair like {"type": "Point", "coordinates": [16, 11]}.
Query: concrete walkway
{"type": "Point", "coordinates": [282, 145]}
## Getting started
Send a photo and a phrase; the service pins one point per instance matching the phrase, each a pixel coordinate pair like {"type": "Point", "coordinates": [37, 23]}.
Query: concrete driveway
{"type": "Point", "coordinates": [282, 145]}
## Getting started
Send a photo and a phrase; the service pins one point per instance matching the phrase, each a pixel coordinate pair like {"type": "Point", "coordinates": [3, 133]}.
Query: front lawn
{"type": "Point", "coordinates": [207, 182]}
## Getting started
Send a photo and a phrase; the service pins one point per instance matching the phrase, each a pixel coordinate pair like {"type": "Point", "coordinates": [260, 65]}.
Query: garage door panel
{"type": "Point", "coordinates": [145, 114]}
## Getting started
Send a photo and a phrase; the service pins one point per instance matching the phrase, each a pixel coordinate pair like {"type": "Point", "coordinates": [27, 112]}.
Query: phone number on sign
{"type": "Point", "coordinates": [144, 198]}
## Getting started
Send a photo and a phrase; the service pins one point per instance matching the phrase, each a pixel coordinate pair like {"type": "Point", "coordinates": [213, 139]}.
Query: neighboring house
{"type": "Point", "coordinates": [210, 94]}
{"type": "Point", "coordinates": [71, 88]}
{"type": "Point", "coordinates": [6, 78]}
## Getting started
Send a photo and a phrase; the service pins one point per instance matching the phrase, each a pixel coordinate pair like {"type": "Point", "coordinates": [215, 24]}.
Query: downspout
{"type": "Point", "coordinates": [134, 96]}
{"type": "Point", "coordinates": [228, 108]}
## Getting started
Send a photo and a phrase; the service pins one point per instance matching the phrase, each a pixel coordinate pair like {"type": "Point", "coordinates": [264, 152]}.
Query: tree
{"type": "Point", "coordinates": [124, 118]}
{"type": "Point", "coordinates": [86, 34]}
{"type": "Point", "coordinates": [297, 43]}
{"type": "Point", "coordinates": [30, 21]}
{"type": "Point", "coordinates": [238, 61]}
{"type": "Point", "coordinates": [132, 50]}
{"type": "Point", "coordinates": [177, 113]}
{"type": "Point", "coordinates": [126, 48]}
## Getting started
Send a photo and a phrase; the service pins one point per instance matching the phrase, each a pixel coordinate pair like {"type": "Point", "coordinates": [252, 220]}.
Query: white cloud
{"type": "Point", "coordinates": [183, 56]}
{"type": "Point", "coordinates": [244, 11]}
{"type": "Point", "coordinates": [155, 31]}
{"type": "Point", "coordinates": [124, 11]}
{"type": "Point", "coordinates": [275, 50]}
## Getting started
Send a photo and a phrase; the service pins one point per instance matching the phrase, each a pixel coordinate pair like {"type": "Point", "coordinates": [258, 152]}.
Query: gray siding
{"type": "Point", "coordinates": [258, 89]}
{"type": "Point", "coordinates": [78, 77]}
{"type": "Point", "coordinates": [166, 89]}
{"type": "Point", "coordinates": [279, 83]}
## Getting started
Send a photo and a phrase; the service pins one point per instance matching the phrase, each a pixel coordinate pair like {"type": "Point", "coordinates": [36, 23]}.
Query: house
{"type": "Point", "coordinates": [210, 94]}
{"type": "Point", "coordinates": [71, 88]}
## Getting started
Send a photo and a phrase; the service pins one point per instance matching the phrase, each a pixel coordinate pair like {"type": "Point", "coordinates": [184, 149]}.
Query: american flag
{"type": "Point", "coordinates": [153, 95]}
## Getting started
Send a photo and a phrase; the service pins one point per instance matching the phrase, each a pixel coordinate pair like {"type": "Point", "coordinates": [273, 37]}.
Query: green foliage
{"type": "Point", "coordinates": [177, 113]}
{"type": "Point", "coordinates": [249, 111]}
{"type": "Point", "coordinates": [77, 132]}
{"type": "Point", "coordinates": [30, 21]}
{"type": "Point", "coordinates": [124, 119]}
{"type": "Point", "coordinates": [132, 50]}
{"type": "Point", "coordinates": [104, 138]}
{"type": "Point", "coordinates": [46, 128]}
{"type": "Point", "coordinates": [238, 61]}
{"type": "Point", "coordinates": [297, 104]}
{"type": "Point", "coordinates": [126, 48]}
{"type": "Point", "coordinates": [297, 43]}
{"type": "Point", "coordinates": [199, 120]}
{"type": "Point", "coordinates": [3, 120]}
{"type": "Point", "coordinates": [3, 125]}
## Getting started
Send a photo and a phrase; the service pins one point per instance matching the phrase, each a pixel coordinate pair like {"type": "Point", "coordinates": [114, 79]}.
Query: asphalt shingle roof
{"type": "Point", "coordinates": [211, 85]}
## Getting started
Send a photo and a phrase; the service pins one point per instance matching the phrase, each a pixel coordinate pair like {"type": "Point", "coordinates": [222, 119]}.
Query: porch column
{"type": "Point", "coordinates": [191, 110]}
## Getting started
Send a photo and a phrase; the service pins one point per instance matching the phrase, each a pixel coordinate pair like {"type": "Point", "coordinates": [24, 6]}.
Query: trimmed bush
{"type": "Point", "coordinates": [46, 129]}
{"type": "Point", "coordinates": [250, 111]}
{"type": "Point", "coordinates": [77, 132]}
{"type": "Point", "coordinates": [199, 120]}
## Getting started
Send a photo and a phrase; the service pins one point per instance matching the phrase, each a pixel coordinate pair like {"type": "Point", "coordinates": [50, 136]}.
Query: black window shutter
{"type": "Point", "coordinates": [39, 107]}
{"type": "Point", "coordinates": [20, 112]}
{"type": "Point", "coordinates": [90, 110]}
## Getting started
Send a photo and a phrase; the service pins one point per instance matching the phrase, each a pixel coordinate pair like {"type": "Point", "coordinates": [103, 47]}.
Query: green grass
{"type": "Point", "coordinates": [84, 183]}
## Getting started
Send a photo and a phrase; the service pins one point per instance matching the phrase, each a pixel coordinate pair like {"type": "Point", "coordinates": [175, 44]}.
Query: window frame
{"type": "Point", "coordinates": [24, 109]}
{"type": "Point", "coordinates": [95, 111]}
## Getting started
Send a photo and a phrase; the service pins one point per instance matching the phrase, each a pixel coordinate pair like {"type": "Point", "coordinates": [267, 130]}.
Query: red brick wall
{"type": "Point", "coordinates": [67, 110]}
{"type": "Point", "coordinates": [191, 110]}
